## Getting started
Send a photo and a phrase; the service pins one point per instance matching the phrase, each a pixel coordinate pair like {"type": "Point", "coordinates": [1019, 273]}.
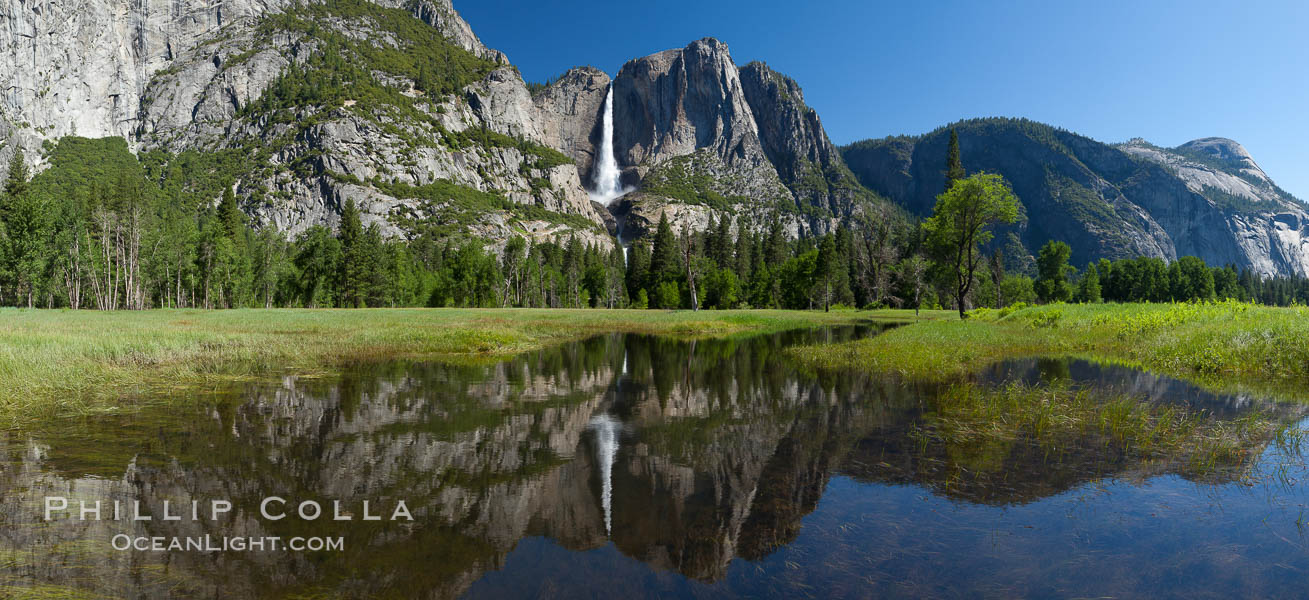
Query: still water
{"type": "Point", "coordinates": [631, 466]}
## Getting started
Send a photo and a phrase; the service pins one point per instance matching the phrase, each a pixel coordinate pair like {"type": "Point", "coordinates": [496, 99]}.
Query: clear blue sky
{"type": "Point", "coordinates": [1165, 71]}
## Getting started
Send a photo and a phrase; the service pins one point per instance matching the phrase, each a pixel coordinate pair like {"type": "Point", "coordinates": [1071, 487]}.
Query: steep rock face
{"type": "Point", "coordinates": [796, 143]}
{"type": "Point", "coordinates": [1242, 218]}
{"type": "Point", "coordinates": [570, 110]}
{"type": "Point", "coordinates": [678, 101]}
{"type": "Point", "coordinates": [1207, 198]}
{"type": "Point", "coordinates": [81, 68]}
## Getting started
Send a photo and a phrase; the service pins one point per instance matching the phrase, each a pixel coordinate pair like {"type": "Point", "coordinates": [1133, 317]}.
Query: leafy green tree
{"type": "Point", "coordinates": [960, 224]}
{"type": "Point", "coordinates": [1227, 283]}
{"type": "Point", "coordinates": [1018, 288]}
{"type": "Point", "coordinates": [666, 296]}
{"type": "Point", "coordinates": [797, 280]}
{"type": "Point", "coordinates": [1053, 272]}
{"type": "Point", "coordinates": [1189, 278]}
{"type": "Point", "coordinates": [722, 289]}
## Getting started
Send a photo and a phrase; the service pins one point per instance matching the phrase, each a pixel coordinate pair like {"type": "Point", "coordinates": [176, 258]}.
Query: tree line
{"type": "Point", "coordinates": [102, 229]}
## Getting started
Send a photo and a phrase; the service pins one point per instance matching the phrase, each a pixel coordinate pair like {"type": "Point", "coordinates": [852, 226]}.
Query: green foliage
{"type": "Point", "coordinates": [1052, 283]}
{"type": "Point", "coordinates": [1018, 290]}
{"type": "Point", "coordinates": [666, 295]}
{"type": "Point", "coordinates": [680, 179]}
{"type": "Point", "coordinates": [344, 66]}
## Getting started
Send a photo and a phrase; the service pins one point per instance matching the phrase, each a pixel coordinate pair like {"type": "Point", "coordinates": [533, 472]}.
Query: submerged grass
{"type": "Point", "coordinates": [1121, 427]}
{"type": "Point", "coordinates": [1214, 343]}
{"type": "Point", "coordinates": [86, 361]}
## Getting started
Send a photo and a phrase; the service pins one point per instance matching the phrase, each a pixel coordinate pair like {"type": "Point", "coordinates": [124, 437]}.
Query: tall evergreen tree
{"type": "Point", "coordinates": [665, 264]}
{"type": "Point", "coordinates": [954, 167]}
{"type": "Point", "coordinates": [229, 213]}
{"type": "Point", "coordinates": [352, 276]}
{"type": "Point", "coordinates": [638, 267]}
{"type": "Point", "coordinates": [828, 267]}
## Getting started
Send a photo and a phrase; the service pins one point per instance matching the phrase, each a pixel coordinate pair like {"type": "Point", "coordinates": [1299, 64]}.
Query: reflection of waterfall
{"type": "Point", "coordinates": [606, 177]}
{"type": "Point", "coordinates": [606, 449]}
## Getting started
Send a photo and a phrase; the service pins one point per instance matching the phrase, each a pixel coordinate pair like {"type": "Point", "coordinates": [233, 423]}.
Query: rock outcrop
{"type": "Point", "coordinates": [569, 111]}
{"type": "Point", "coordinates": [796, 143]}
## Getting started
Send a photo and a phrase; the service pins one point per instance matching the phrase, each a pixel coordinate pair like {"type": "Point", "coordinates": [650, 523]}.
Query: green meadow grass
{"type": "Point", "coordinates": [1216, 344]}
{"type": "Point", "coordinates": [87, 360]}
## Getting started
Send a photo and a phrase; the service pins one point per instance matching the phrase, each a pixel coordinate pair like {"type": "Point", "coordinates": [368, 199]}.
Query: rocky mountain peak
{"type": "Point", "coordinates": [1225, 151]}
{"type": "Point", "coordinates": [675, 102]}
{"type": "Point", "coordinates": [441, 14]}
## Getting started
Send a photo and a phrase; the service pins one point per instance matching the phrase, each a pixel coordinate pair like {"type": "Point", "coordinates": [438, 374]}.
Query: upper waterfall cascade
{"type": "Point", "coordinates": [606, 177]}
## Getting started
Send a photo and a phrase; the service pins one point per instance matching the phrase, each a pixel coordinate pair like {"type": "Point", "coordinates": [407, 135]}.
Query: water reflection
{"type": "Point", "coordinates": [627, 465]}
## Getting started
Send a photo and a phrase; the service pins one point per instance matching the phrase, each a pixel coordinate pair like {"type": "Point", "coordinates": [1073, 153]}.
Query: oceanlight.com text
{"type": "Point", "coordinates": [208, 543]}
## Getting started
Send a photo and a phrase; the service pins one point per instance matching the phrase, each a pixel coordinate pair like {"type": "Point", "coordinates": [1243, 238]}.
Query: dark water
{"type": "Point", "coordinates": [630, 466]}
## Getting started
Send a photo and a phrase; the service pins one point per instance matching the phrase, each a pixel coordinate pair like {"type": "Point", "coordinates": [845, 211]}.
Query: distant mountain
{"type": "Point", "coordinates": [700, 138]}
{"type": "Point", "coordinates": [1206, 198]}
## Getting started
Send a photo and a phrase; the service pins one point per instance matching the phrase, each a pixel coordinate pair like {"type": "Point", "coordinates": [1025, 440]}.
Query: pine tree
{"type": "Point", "coordinates": [1088, 289]}
{"type": "Point", "coordinates": [229, 213]}
{"type": "Point", "coordinates": [954, 168]}
{"type": "Point", "coordinates": [775, 252]}
{"type": "Point", "coordinates": [638, 266]}
{"type": "Point", "coordinates": [665, 265]}
{"type": "Point", "coordinates": [744, 253]}
{"type": "Point", "coordinates": [16, 181]}
{"type": "Point", "coordinates": [351, 276]}
{"type": "Point", "coordinates": [828, 265]}
{"type": "Point", "coordinates": [26, 223]}
{"type": "Point", "coordinates": [722, 255]}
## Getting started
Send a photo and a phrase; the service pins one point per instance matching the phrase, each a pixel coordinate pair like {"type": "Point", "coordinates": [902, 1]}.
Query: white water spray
{"type": "Point", "coordinates": [607, 179]}
{"type": "Point", "coordinates": [606, 449]}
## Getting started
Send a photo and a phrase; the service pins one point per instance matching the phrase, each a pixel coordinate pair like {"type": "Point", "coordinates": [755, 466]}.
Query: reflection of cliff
{"type": "Point", "coordinates": [713, 450]}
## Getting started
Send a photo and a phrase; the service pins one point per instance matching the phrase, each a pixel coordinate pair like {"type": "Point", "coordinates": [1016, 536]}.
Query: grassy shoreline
{"type": "Point", "coordinates": [1218, 345]}
{"type": "Point", "coordinates": [85, 360]}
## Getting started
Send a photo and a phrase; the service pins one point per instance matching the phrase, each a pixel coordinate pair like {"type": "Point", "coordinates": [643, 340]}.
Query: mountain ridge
{"type": "Point", "coordinates": [1107, 201]}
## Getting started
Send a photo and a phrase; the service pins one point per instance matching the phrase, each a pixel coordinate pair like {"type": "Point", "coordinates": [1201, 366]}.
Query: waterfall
{"type": "Point", "coordinates": [606, 449]}
{"type": "Point", "coordinates": [606, 178]}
